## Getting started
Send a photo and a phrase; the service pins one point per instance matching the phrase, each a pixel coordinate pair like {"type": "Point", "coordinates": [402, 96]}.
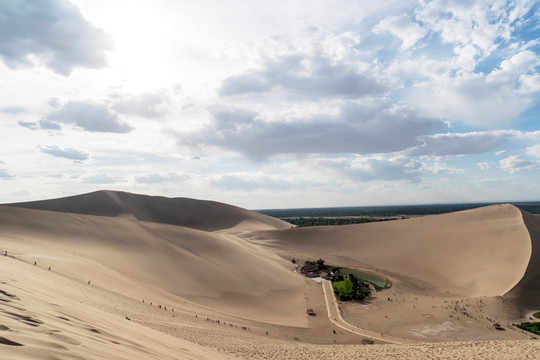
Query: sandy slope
{"type": "Point", "coordinates": [207, 268]}
{"type": "Point", "coordinates": [480, 252]}
{"type": "Point", "coordinates": [47, 316]}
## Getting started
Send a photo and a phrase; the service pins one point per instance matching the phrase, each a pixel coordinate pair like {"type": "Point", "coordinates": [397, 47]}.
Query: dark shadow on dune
{"type": "Point", "coordinates": [28, 320]}
{"type": "Point", "coordinates": [5, 341]}
{"type": "Point", "coordinates": [8, 294]}
{"type": "Point", "coordinates": [526, 293]}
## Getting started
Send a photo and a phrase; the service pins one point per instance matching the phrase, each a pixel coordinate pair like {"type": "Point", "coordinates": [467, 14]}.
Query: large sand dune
{"type": "Point", "coordinates": [196, 214]}
{"type": "Point", "coordinates": [207, 268]}
{"type": "Point", "coordinates": [108, 251]}
{"type": "Point", "coordinates": [480, 252]}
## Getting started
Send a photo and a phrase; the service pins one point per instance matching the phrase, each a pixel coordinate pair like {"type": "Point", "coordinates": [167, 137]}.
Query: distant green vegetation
{"type": "Point", "coordinates": [533, 327]}
{"type": "Point", "coordinates": [321, 221]}
{"type": "Point", "coordinates": [350, 289]}
{"type": "Point", "coordinates": [389, 211]}
{"type": "Point", "coordinates": [537, 314]}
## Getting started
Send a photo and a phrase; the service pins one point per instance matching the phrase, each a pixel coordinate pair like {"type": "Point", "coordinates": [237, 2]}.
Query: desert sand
{"type": "Point", "coordinates": [119, 275]}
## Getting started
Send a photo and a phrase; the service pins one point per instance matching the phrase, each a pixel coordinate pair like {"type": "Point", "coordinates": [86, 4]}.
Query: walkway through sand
{"type": "Point", "coordinates": [335, 317]}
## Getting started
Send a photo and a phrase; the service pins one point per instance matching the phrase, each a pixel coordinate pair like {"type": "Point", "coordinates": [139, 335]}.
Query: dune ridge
{"type": "Point", "coordinates": [192, 213]}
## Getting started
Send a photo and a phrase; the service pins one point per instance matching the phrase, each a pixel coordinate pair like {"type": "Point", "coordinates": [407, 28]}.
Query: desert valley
{"type": "Point", "coordinates": [125, 276]}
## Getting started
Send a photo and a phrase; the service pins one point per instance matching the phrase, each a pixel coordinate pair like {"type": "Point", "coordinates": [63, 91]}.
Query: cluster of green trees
{"type": "Point", "coordinates": [320, 221]}
{"type": "Point", "coordinates": [533, 327]}
{"type": "Point", "coordinates": [351, 289]}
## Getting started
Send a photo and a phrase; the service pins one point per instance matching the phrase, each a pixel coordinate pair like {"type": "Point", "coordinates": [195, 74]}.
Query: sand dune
{"type": "Point", "coordinates": [207, 268]}
{"type": "Point", "coordinates": [527, 292]}
{"type": "Point", "coordinates": [196, 214]}
{"type": "Point", "coordinates": [108, 251]}
{"type": "Point", "coordinates": [480, 252]}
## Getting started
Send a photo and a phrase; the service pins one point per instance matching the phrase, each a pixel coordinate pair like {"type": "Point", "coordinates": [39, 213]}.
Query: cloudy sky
{"type": "Point", "coordinates": [271, 104]}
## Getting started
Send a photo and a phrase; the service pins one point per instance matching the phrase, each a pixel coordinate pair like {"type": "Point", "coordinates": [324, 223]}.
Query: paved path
{"type": "Point", "coordinates": [335, 317]}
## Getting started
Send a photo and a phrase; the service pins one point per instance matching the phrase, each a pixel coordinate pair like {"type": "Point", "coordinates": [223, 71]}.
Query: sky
{"type": "Point", "coordinates": [281, 104]}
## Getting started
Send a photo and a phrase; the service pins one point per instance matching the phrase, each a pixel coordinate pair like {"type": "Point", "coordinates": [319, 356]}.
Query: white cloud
{"type": "Point", "coordinates": [440, 169]}
{"type": "Point", "coordinates": [402, 27]}
{"type": "Point", "coordinates": [52, 32]}
{"type": "Point", "coordinates": [248, 181]}
{"type": "Point", "coordinates": [149, 104]}
{"type": "Point", "coordinates": [484, 165]}
{"type": "Point", "coordinates": [371, 168]}
{"type": "Point", "coordinates": [40, 125]}
{"type": "Point", "coordinates": [513, 164]}
{"type": "Point", "coordinates": [462, 143]}
{"type": "Point", "coordinates": [45, 125]}
{"type": "Point", "coordinates": [53, 102]}
{"type": "Point", "coordinates": [32, 125]}
{"type": "Point", "coordinates": [87, 116]}
{"type": "Point", "coordinates": [362, 127]}
{"type": "Point", "coordinates": [102, 179]}
{"type": "Point", "coordinates": [477, 23]}
{"type": "Point", "coordinates": [481, 74]}
{"type": "Point", "coordinates": [67, 153]}
{"type": "Point", "coordinates": [14, 109]}
{"type": "Point", "coordinates": [488, 100]}
{"type": "Point", "coordinates": [156, 178]}
{"type": "Point", "coordinates": [514, 70]}
{"type": "Point", "coordinates": [534, 151]}
{"type": "Point", "coordinates": [306, 75]}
